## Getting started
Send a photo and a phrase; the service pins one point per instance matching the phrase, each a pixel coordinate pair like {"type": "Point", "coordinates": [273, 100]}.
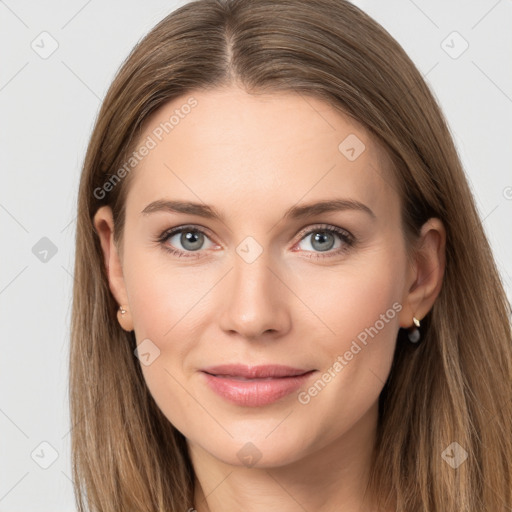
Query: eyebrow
{"type": "Point", "coordinates": [295, 212]}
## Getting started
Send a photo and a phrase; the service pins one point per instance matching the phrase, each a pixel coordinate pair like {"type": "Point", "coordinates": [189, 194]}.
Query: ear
{"type": "Point", "coordinates": [104, 225]}
{"type": "Point", "coordinates": [425, 277]}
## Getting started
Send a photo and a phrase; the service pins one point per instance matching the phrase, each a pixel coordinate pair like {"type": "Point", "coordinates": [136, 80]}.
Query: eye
{"type": "Point", "coordinates": [191, 238]}
{"type": "Point", "coordinates": [323, 239]}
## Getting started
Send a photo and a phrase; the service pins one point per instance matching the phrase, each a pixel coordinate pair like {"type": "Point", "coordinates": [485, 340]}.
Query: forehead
{"type": "Point", "coordinates": [268, 150]}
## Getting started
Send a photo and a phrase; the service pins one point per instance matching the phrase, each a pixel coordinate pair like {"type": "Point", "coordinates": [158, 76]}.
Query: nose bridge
{"type": "Point", "coordinates": [255, 298]}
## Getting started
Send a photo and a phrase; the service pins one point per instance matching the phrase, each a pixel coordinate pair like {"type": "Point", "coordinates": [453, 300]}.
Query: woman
{"type": "Point", "coordinates": [284, 296]}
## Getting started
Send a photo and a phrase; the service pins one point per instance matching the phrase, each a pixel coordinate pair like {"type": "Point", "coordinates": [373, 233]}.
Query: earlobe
{"type": "Point", "coordinates": [124, 318]}
{"type": "Point", "coordinates": [104, 225]}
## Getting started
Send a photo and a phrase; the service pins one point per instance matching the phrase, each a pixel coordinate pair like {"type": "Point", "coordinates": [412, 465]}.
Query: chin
{"type": "Point", "coordinates": [258, 453]}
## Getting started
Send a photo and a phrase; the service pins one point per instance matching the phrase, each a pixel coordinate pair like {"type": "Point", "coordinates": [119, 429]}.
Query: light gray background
{"type": "Point", "coordinates": [48, 106]}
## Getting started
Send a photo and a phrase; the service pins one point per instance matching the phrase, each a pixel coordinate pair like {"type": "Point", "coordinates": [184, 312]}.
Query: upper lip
{"type": "Point", "coordinates": [254, 372]}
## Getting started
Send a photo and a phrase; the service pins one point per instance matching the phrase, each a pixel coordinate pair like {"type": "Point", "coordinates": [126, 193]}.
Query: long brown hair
{"type": "Point", "coordinates": [454, 388]}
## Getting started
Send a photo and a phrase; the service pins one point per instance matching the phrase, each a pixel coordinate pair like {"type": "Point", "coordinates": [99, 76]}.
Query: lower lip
{"type": "Point", "coordinates": [255, 392]}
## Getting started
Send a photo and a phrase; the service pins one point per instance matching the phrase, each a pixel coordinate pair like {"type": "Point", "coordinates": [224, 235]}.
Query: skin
{"type": "Point", "coordinates": [251, 158]}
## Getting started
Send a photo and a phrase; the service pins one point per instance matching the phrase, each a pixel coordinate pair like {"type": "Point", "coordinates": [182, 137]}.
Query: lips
{"type": "Point", "coordinates": [244, 372]}
{"type": "Point", "coordinates": [255, 386]}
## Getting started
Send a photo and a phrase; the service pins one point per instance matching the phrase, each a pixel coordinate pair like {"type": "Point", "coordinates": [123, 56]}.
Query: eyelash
{"type": "Point", "coordinates": [346, 237]}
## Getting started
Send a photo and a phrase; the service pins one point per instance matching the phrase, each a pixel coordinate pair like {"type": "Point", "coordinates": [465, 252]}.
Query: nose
{"type": "Point", "coordinates": [256, 301]}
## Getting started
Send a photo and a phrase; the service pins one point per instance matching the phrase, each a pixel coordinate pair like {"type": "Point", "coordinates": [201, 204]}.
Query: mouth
{"type": "Point", "coordinates": [244, 372]}
{"type": "Point", "coordinates": [255, 386]}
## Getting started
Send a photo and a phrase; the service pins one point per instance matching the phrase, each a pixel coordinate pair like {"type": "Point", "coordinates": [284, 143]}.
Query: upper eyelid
{"type": "Point", "coordinates": [326, 227]}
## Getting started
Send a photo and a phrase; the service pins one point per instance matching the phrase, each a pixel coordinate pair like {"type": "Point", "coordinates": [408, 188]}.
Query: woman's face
{"type": "Point", "coordinates": [272, 280]}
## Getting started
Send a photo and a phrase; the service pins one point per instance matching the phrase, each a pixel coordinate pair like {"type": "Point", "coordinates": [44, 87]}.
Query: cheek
{"type": "Point", "coordinates": [346, 301]}
{"type": "Point", "coordinates": [162, 297]}
{"type": "Point", "coordinates": [361, 309]}
{"type": "Point", "coordinates": [164, 303]}
{"type": "Point", "coordinates": [355, 323]}
{"type": "Point", "coordinates": [167, 307]}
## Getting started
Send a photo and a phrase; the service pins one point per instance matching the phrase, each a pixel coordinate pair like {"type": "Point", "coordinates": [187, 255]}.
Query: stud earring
{"type": "Point", "coordinates": [413, 332]}
{"type": "Point", "coordinates": [124, 319]}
